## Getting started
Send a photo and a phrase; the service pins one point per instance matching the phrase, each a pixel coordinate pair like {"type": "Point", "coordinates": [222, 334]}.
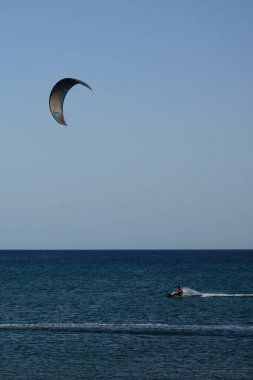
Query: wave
{"type": "Point", "coordinates": [134, 328]}
{"type": "Point", "coordinates": [192, 292]}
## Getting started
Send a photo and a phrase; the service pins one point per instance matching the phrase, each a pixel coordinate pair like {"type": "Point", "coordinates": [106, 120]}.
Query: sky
{"type": "Point", "coordinates": [158, 156]}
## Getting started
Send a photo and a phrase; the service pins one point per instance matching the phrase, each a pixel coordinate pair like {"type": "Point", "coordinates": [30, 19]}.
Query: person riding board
{"type": "Point", "coordinates": [178, 293]}
{"type": "Point", "coordinates": [180, 290]}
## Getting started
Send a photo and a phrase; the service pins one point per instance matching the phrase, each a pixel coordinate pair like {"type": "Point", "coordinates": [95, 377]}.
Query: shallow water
{"type": "Point", "coordinates": [105, 315]}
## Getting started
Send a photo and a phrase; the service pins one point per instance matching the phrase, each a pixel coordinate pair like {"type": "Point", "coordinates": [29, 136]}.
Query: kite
{"type": "Point", "coordinates": [57, 96]}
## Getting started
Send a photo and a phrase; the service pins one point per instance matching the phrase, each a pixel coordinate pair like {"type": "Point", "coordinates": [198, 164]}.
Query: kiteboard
{"type": "Point", "coordinates": [174, 294]}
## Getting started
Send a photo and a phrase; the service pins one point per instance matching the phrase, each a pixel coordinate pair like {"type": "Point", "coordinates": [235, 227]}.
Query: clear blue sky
{"type": "Point", "coordinates": [158, 155]}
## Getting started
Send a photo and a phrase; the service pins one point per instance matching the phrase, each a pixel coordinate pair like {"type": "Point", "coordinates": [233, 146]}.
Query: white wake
{"type": "Point", "coordinates": [193, 292]}
{"type": "Point", "coordinates": [131, 328]}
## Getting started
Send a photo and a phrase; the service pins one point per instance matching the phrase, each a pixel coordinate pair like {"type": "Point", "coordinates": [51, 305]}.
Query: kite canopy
{"type": "Point", "coordinates": [57, 96]}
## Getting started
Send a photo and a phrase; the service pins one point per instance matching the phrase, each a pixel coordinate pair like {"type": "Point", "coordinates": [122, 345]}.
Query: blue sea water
{"type": "Point", "coordinates": [105, 315]}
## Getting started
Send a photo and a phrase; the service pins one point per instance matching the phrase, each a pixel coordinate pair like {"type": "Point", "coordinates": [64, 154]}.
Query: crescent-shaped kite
{"type": "Point", "coordinates": [57, 96]}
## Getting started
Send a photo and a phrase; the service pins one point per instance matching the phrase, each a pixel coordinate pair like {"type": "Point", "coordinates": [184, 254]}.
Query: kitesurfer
{"type": "Point", "coordinates": [180, 290]}
{"type": "Point", "coordinates": [178, 293]}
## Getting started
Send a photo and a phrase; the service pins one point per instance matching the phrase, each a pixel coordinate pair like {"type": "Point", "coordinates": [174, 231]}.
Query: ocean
{"type": "Point", "coordinates": [105, 315]}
